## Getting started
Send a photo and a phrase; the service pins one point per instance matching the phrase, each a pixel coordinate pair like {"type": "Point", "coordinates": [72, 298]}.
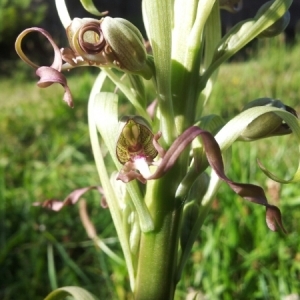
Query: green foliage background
{"type": "Point", "coordinates": [10, 12]}
{"type": "Point", "coordinates": [45, 153]}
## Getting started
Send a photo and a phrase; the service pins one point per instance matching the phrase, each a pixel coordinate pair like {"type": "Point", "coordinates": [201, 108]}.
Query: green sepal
{"type": "Point", "coordinates": [127, 44]}
{"type": "Point", "coordinates": [268, 124]}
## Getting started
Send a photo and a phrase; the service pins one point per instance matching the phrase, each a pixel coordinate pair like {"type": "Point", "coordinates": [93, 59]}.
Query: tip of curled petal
{"type": "Point", "coordinates": [273, 218]}
{"type": "Point", "coordinates": [52, 204]}
{"type": "Point", "coordinates": [71, 199]}
{"type": "Point", "coordinates": [48, 76]}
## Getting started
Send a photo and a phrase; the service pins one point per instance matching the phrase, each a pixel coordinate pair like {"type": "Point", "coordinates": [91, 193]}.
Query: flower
{"type": "Point", "coordinates": [107, 43]}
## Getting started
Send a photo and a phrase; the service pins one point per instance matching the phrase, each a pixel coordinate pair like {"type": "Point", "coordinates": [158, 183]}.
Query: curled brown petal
{"type": "Point", "coordinates": [57, 60]}
{"type": "Point", "coordinates": [48, 76]}
{"type": "Point", "coordinates": [273, 218]}
{"type": "Point", "coordinates": [250, 192]}
{"type": "Point", "coordinates": [86, 44]}
{"type": "Point", "coordinates": [71, 199]}
{"type": "Point", "coordinates": [170, 157]}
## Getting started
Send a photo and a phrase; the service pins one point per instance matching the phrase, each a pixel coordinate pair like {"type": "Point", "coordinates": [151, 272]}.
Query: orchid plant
{"type": "Point", "coordinates": [169, 160]}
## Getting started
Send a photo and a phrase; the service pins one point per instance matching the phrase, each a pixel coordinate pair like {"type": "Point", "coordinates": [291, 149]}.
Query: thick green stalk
{"type": "Point", "coordinates": [158, 249]}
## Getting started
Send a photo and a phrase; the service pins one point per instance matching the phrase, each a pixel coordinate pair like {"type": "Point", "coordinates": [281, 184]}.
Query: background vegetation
{"type": "Point", "coordinates": [45, 153]}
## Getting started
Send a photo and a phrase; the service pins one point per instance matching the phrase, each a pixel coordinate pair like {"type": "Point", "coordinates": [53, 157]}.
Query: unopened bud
{"type": "Point", "coordinates": [126, 42]}
{"type": "Point", "coordinates": [276, 28]}
{"type": "Point", "coordinates": [110, 42]}
{"type": "Point", "coordinates": [268, 124]}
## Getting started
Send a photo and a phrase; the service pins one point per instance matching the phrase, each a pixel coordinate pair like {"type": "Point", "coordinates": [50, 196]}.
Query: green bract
{"type": "Point", "coordinates": [268, 124]}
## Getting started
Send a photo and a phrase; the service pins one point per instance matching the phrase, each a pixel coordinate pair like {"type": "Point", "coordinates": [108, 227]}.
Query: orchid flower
{"type": "Point", "coordinates": [162, 154]}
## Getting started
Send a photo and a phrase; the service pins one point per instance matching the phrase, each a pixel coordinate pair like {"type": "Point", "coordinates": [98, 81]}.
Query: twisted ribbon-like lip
{"type": "Point", "coordinates": [48, 74]}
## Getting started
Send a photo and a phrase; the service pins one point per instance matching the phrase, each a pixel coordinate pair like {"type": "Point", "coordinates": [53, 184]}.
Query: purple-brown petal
{"type": "Point", "coordinates": [71, 199]}
{"type": "Point", "coordinates": [250, 192]}
{"type": "Point", "coordinates": [130, 175]}
{"type": "Point", "coordinates": [170, 157]}
{"type": "Point", "coordinates": [48, 76]}
{"type": "Point", "coordinates": [273, 218]}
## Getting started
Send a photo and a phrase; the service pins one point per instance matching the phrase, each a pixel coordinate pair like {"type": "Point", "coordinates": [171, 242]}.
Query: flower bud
{"type": "Point", "coordinates": [127, 44]}
{"type": "Point", "coordinates": [268, 124]}
{"type": "Point", "coordinates": [86, 39]}
{"type": "Point", "coordinates": [276, 28]}
{"type": "Point", "coordinates": [110, 42]}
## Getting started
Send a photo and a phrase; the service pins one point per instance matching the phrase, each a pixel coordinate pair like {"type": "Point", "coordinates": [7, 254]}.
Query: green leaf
{"type": "Point", "coordinates": [110, 194]}
{"type": "Point", "coordinates": [91, 8]}
{"type": "Point", "coordinates": [244, 32]}
{"type": "Point", "coordinates": [76, 292]}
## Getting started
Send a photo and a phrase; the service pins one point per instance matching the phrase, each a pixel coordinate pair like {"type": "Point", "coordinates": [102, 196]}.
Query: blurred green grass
{"type": "Point", "coordinates": [45, 153]}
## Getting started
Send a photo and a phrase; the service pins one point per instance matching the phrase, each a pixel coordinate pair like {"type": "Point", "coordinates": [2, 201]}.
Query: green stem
{"type": "Point", "coordinates": [158, 249]}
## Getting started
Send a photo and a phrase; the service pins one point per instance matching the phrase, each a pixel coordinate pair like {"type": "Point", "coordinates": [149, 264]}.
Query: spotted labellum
{"type": "Point", "coordinates": [135, 140]}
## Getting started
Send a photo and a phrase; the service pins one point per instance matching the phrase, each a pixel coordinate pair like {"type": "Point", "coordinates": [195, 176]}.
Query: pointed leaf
{"type": "Point", "coordinates": [105, 181]}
